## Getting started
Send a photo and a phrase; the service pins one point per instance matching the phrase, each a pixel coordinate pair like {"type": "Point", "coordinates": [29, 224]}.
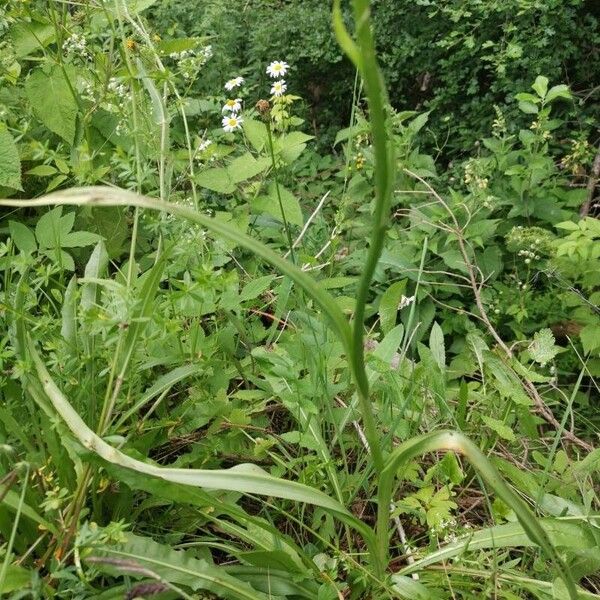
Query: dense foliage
{"type": "Point", "coordinates": [303, 342]}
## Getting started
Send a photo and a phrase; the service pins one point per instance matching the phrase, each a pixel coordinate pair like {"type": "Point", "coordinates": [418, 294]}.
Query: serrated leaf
{"type": "Point", "coordinates": [528, 108]}
{"type": "Point", "coordinates": [291, 145]}
{"type": "Point", "coordinates": [60, 114]}
{"type": "Point", "coordinates": [543, 348]}
{"type": "Point", "coordinates": [176, 566]}
{"type": "Point", "coordinates": [10, 163]}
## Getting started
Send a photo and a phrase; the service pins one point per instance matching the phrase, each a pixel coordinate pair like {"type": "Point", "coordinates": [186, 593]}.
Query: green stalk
{"type": "Point", "coordinates": [278, 191]}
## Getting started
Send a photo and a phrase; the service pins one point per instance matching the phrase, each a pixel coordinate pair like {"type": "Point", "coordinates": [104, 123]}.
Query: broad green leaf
{"type": "Point", "coordinates": [256, 132]}
{"type": "Point", "coordinates": [540, 86]}
{"type": "Point", "coordinates": [22, 236]}
{"type": "Point", "coordinates": [69, 313]}
{"type": "Point", "coordinates": [558, 91]}
{"type": "Point", "coordinates": [388, 305]}
{"type": "Point", "coordinates": [53, 227]}
{"type": "Point", "coordinates": [291, 145]}
{"type": "Point", "coordinates": [60, 114]}
{"type": "Point", "coordinates": [43, 171]}
{"type": "Point", "coordinates": [270, 204]}
{"type": "Point", "coordinates": [217, 179]}
{"type": "Point", "coordinates": [390, 344]}
{"type": "Point", "coordinates": [246, 166]}
{"type": "Point", "coordinates": [10, 163]}
{"type": "Point", "coordinates": [16, 578]}
{"type": "Point", "coordinates": [590, 337]}
{"type": "Point", "coordinates": [256, 287]}
{"type": "Point", "coordinates": [12, 501]}
{"type": "Point", "coordinates": [79, 239]}
{"type": "Point", "coordinates": [436, 345]}
{"type": "Point", "coordinates": [28, 37]}
{"type": "Point", "coordinates": [528, 108]}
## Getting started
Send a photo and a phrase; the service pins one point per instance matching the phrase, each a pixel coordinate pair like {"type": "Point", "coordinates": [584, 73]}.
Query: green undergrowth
{"type": "Point", "coordinates": [234, 367]}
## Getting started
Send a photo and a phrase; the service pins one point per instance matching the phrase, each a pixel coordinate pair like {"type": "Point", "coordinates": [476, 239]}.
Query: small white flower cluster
{"type": "Point", "coordinates": [233, 120]}
{"type": "Point", "coordinates": [203, 145]}
{"type": "Point", "coordinates": [117, 88]}
{"type": "Point", "coordinates": [192, 60]}
{"type": "Point", "coordinates": [76, 44]}
{"type": "Point", "coordinates": [278, 69]}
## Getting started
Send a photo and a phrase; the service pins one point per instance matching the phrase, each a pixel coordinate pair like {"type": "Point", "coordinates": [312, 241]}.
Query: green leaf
{"type": "Point", "coordinates": [69, 313]}
{"type": "Point", "coordinates": [244, 478]}
{"type": "Point", "coordinates": [540, 86]}
{"type": "Point", "coordinates": [558, 91]}
{"type": "Point", "coordinates": [246, 166]}
{"type": "Point", "coordinates": [22, 236]}
{"type": "Point", "coordinates": [503, 430]}
{"type": "Point", "coordinates": [59, 114]}
{"type": "Point", "coordinates": [528, 108]}
{"type": "Point", "coordinates": [29, 37]}
{"type": "Point", "coordinates": [217, 180]}
{"type": "Point", "coordinates": [543, 348]}
{"type": "Point", "coordinates": [53, 227]}
{"type": "Point", "coordinates": [10, 163]}
{"type": "Point", "coordinates": [175, 566]}
{"type": "Point", "coordinates": [291, 145]}
{"type": "Point", "coordinates": [256, 287]}
{"type": "Point", "coordinates": [590, 337]}
{"type": "Point", "coordinates": [436, 345]}
{"type": "Point", "coordinates": [256, 133]}
{"type": "Point", "coordinates": [42, 171]}
{"type": "Point", "coordinates": [388, 305]}
{"type": "Point", "coordinates": [79, 239]}
{"type": "Point", "coordinates": [270, 204]}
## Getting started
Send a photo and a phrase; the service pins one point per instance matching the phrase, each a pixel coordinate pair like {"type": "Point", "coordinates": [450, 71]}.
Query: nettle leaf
{"type": "Point", "coordinates": [32, 36]}
{"type": "Point", "coordinates": [10, 163]}
{"type": "Point", "coordinates": [51, 97]}
{"type": "Point", "coordinates": [543, 348]}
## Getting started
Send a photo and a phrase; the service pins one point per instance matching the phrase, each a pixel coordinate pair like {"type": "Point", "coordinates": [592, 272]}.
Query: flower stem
{"type": "Point", "coordinates": [278, 192]}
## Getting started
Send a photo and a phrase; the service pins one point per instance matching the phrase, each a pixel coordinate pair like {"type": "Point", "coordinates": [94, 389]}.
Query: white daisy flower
{"type": "Point", "coordinates": [233, 83]}
{"type": "Point", "coordinates": [278, 68]}
{"type": "Point", "coordinates": [232, 122]}
{"type": "Point", "coordinates": [278, 88]}
{"type": "Point", "coordinates": [233, 106]}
